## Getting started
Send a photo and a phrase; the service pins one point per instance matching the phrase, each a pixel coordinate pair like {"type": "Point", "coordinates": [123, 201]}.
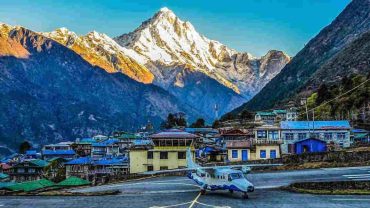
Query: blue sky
{"type": "Point", "coordinates": [245, 25]}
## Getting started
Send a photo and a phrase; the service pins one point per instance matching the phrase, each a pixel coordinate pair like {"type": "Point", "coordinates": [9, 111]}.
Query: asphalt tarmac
{"type": "Point", "coordinates": [182, 192]}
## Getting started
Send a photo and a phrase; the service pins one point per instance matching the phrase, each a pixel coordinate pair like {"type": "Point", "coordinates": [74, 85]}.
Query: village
{"type": "Point", "coordinates": [104, 159]}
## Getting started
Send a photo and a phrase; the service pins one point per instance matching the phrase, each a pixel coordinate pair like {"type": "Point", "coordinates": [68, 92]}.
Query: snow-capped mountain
{"type": "Point", "coordinates": [100, 50]}
{"type": "Point", "coordinates": [170, 53]}
{"type": "Point", "coordinates": [165, 42]}
{"type": "Point", "coordinates": [50, 93]}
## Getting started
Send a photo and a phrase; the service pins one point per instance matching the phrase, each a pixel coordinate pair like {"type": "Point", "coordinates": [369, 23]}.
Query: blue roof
{"type": "Point", "coordinates": [31, 152]}
{"type": "Point", "coordinates": [105, 143]}
{"type": "Point", "coordinates": [142, 142]}
{"type": "Point", "coordinates": [110, 161]}
{"type": "Point", "coordinates": [310, 139]}
{"type": "Point", "coordinates": [201, 130]}
{"type": "Point", "coordinates": [58, 152]}
{"type": "Point", "coordinates": [6, 184]}
{"type": "Point", "coordinates": [318, 125]}
{"type": "Point", "coordinates": [80, 161]}
{"type": "Point", "coordinates": [359, 131]}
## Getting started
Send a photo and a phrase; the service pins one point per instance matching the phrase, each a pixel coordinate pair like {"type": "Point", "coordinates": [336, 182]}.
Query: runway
{"type": "Point", "coordinates": [182, 192]}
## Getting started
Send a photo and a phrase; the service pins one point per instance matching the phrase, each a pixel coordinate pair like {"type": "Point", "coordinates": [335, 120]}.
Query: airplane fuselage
{"type": "Point", "coordinates": [222, 180]}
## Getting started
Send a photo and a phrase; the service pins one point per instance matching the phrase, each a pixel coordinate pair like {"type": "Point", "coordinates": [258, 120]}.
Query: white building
{"type": "Point", "coordinates": [292, 132]}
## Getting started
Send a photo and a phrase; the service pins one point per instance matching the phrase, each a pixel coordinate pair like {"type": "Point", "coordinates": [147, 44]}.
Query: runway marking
{"type": "Point", "coordinates": [351, 199]}
{"type": "Point", "coordinates": [348, 168]}
{"type": "Point", "coordinates": [175, 205]}
{"type": "Point", "coordinates": [207, 205]}
{"type": "Point", "coordinates": [161, 192]}
{"type": "Point", "coordinates": [195, 200]}
{"type": "Point", "coordinates": [358, 177]}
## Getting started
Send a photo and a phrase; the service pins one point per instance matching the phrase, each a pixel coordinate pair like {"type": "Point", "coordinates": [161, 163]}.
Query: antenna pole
{"type": "Point", "coordinates": [305, 101]}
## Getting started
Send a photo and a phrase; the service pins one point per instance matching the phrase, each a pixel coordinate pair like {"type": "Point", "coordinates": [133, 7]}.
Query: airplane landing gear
{"type": "Point", "coordinates": [202, 191]}
{"type": "Point", "coordinates": [245, 195]}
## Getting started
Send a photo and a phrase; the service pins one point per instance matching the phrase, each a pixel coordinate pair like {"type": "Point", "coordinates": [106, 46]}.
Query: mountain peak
{"type": "Point", "coordinates": [164, 14]}
{"type": "Point", "coordinates": [164, 10]}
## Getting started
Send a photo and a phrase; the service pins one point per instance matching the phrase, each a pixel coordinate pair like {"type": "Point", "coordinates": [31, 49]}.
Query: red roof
{"type": "Point", "coordinates": [5, 166]}
{"type": "Point", "coordinates": [238, 144]}
{"type": "Point", "coordinates": [234, 132]}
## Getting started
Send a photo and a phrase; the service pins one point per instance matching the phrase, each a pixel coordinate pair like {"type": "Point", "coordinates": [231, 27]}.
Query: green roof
{"type": "Point", "coordinates": [74, 181]}
{"type": "Point", "coordinates": [31, 185]}
{"type": "Point", "coordinates": [40, 163]}
{"type": "Point", "coordinates": [127, 136]}
{"type": "Point", "coordinates": [360, 136]}
{"type": "Point", "coordinates": [3, 175]}
{"type": "Point", "coordinates": [262, 113]}
{"type": "Point", "coordinates": [279, 111]}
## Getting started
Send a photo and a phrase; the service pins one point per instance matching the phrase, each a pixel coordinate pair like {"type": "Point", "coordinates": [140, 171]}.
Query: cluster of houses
{"type": "Point", "coordinates": [101, 159]}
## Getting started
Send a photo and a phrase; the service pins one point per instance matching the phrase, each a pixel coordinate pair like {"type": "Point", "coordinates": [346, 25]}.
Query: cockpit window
{"type": "Point", "coordinates": [234, 176]}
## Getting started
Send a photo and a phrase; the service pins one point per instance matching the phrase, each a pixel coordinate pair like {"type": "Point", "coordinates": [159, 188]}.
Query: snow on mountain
{"type": "Point", "coordinates": [9, 47]}
{"type": "Point", "coordinates": [165, 42]}
{"type": "Point", "coordinates": [170, 53]}
{"type": "Point", "coordinates": [100, 50]}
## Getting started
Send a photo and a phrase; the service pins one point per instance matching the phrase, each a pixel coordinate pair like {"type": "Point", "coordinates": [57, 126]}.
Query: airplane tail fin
{"type": "Point", "coordinates": [189, 159]}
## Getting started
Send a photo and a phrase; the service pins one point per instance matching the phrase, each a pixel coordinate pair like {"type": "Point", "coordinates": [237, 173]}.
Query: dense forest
{"type": "Point", "coordinates": [347, 100]}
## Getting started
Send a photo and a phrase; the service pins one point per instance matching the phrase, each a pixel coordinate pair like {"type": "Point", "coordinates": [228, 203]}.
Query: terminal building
{"type": "Point", "coordinates": [168, 152]}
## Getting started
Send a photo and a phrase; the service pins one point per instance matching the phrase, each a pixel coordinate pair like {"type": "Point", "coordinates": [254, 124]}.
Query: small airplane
{"type": "Point", "coordinates": [214, 178]}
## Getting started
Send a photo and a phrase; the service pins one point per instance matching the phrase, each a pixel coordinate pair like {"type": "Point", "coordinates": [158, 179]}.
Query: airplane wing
{"type": "Point", "coordinates": [208, 168]}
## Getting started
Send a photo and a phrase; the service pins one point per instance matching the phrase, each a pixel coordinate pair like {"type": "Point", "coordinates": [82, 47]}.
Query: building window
{"type": "Point", "coordinates": [163, 168]}
{"type": "Point", "coordinates": [20, 170]}
{"type": "Point", "coordinates": [163, 155]}
{"type": "Point", "coordinates": [328, 136]}
{"type": "Point", "coordinates": [262, 153]}
{"type": "Point", "coordinates": [274, 135]}
{"type": "Point", "coordinates": [181, 155]}
{"type": "Point", "coordinates": [315, 135]}
{"type": "Point", "coordinates": [150, 168]}
{"type": "Point", "coordinates": [261, 134]}
{"type": "Point", "coordinates": [272, 154]}
{"type": "Point", "coordinates": [289, 136]}
{"type": "Point", "coordinates": [341, 144]}
{"type": "Point", "coordinates": [234, 153]}
{"type": "Point", "coordinates": [150, 155]}
{"type": "Point", "coordinates": [341, 135]}
{"type": "Point", "coordinates": [302, 136]}
{"type": "Point", "coordinates": [31, 170]}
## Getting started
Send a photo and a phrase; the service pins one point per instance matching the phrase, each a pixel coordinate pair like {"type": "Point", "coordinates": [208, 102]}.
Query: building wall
{"type": "Point", "coordinates": [171, 163]}
{"type": "Point", "coordinates": [286, 142]}
{"type": "Point", "coordinates": [310, 145]}
{"type": "Point", "coordinates": [138, 161]}
{"type": "Point", "coordinates": [268, 149]}
{"type": "Point", "coordinates": [82, 172]}
{"type": "Point", "coordinates": [239, 158]}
